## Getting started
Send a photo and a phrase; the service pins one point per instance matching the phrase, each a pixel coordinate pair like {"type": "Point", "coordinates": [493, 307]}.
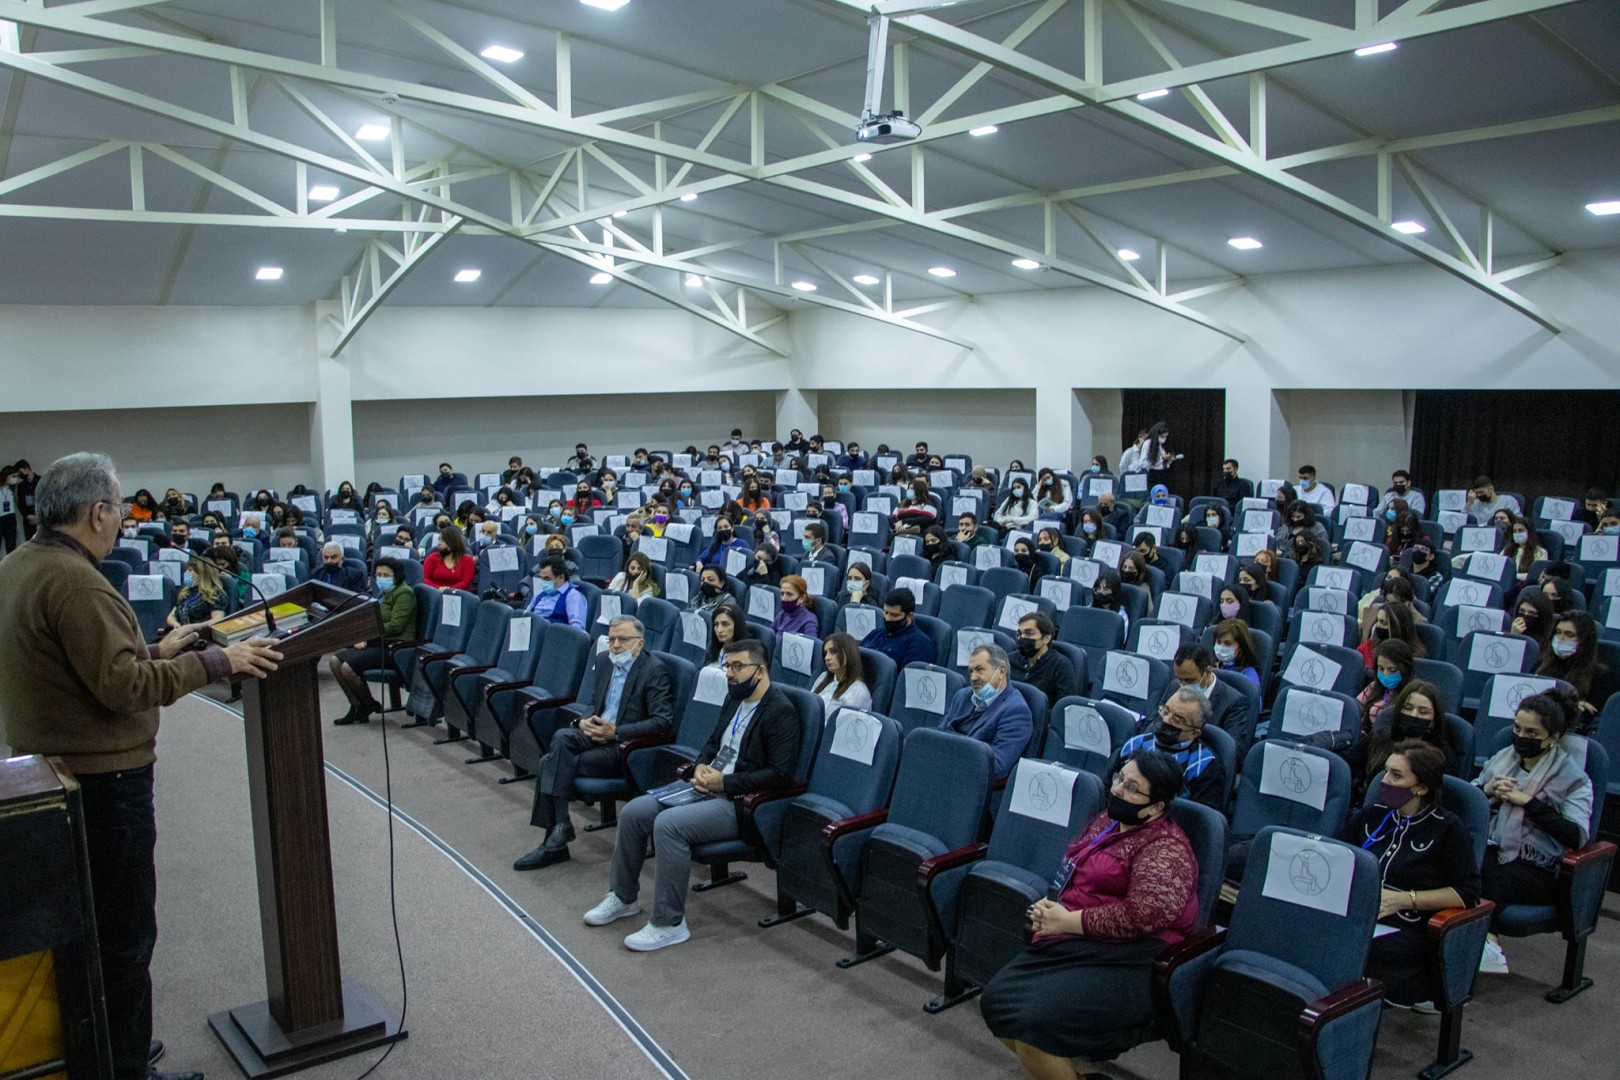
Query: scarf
{"type": "Point", "coordinates": [1555, 776]}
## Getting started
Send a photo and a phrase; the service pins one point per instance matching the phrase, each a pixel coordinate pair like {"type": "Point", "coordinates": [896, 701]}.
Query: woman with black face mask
{"type": "Point", "coordinates": [1541, 808]}
{"type": "Point", "coordinates": [1108, 594]}
{"type": "Point", "coordinates": [934, 547]}
{"type": "Point", "coordinates": [1418, 712]}
{"type": "Point", "coordinates": [1126, 888]}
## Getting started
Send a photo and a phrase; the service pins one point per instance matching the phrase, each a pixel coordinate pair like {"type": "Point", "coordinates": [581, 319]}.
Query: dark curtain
{"type": "Point", "coordinates": [1535, 442]}
{"type": "Point", "coordinates": [1197, 423]}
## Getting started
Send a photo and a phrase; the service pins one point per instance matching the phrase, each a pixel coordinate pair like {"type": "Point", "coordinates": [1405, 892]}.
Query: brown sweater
{"type": "Point", "coordinates": [76, 677]}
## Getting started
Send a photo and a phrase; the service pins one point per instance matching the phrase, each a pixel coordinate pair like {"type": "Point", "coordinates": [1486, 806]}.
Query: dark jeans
{"type": "Point", "coordinates": [572, 753]}
{"type": "Point", "coordinates": [121, 833]}
{"type": "Point", "coordinates": [1516, 882]}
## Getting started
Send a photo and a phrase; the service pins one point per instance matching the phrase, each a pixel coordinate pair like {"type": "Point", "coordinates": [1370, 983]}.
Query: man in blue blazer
{"type": "Point", "coordinates": [990, 710]}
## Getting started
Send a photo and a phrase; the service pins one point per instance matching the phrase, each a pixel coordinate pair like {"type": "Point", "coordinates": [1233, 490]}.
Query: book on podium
{"type": "Point", "coordinates": [311, 1013]}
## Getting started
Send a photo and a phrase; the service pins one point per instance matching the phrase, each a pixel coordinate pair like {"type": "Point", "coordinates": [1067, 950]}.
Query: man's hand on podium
{"type": "Point", "coordinates": [256, 657]}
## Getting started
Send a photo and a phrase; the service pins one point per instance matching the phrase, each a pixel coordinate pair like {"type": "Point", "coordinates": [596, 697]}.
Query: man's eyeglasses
{"type": "Point", "coordinates": [622, 639]}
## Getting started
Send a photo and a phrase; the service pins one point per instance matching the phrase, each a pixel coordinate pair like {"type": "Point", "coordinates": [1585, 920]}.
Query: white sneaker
{"type": "Point", "coordinates": [609, 909]}
{"type": "Point", "coordinates": [651, 937]}
{"type": "Point", "coordinates": [1492, 961]}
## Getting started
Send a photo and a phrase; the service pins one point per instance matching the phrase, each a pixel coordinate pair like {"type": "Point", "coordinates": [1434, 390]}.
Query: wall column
{"type": "Point", "coordinates": [795, 408]}
{"type": "Point", "coordinates": [331, 424]}
{"type": "Point", "coordinates": [1257, 433]}
{"type": "Point", "coordinates": [1062, 428]}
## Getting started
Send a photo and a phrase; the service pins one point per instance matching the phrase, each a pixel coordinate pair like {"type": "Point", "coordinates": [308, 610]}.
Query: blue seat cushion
{"type": "Point", "coordinates": [1526, 920]}
{"type": "Point", "coordinates": [1012, 877]}
{"type": "Point", "coordinates": [723, 849]}
{"type": "Point", "coordinates": [1269, 969]}
{"type": "Point", "coordinates": [919, 843]}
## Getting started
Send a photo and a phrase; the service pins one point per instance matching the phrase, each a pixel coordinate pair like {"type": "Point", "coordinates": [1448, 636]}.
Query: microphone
{"type": "Point", "coordinates": [246, 578]}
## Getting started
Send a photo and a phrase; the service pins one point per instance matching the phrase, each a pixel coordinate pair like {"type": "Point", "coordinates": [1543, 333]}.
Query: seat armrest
{"type": "Point", "coordinates": [1599, 851]}
{"type": "Point", "coordinates": [938, 864]}
{"type": "Point", "coordinates": [755, 799]}
{"type": "Point", "coordinates": [630, 746]}
{"type": "Point", "coordinates": [472, 669]}
{"type": "Point", "coordinates": [684, 771]}
{"type": "Point", "coordinates": [843, 827]}
{"type": "Point", "coordinates": [428, 658]}
{"type": "Point", "coordinates": [1582, 876]}
{"type": "Point", "coordinates": [1449, 920]}
{"type": "Point", "coordinates": [390, 647]}
{"type": "Point", "coordinates": [533, 705]}
{"type": "Point", "coordinates": [1194, 945]}
{"type": "Point", "coordinates": [1346, 999]}
{"type": "Point", "coordinates": [495, 688]}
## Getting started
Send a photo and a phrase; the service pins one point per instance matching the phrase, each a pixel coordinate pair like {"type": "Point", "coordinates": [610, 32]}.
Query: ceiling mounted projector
{"type": "Point", "coordinates": [886, 129]}
{"type": "Point", "coordinates": [875, 126]}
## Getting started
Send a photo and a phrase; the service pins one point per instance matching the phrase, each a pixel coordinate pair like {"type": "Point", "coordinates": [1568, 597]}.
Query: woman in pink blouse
{"type": "Point", "coordinates": [1127, 888]}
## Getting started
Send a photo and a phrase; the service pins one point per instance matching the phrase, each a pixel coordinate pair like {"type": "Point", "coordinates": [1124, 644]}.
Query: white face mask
{"type": "Point", "coordinates": [1564, 648]}
{"type": "Point", "coordinates": [1520, 537]}
{"type": "Point", "coordinates": [1225, 653]}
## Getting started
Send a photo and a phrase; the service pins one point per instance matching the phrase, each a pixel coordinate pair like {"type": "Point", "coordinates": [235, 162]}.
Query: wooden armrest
{"type": "Point", "coordinates": [684, 771]}
{"type": "Point", "coordinates": [472, 669]}
{"type": "Point", "coordinates": [495, 688]}
{"type": "Point", "coordinates": [1198, 943]}
{"type": "Point", "coordinates": [426, 658]}
{"type": "Point", "coordinates": [1446, 920]}
{"type": "Point", "coordinates": [1345, 999]}
{"type": "Point", "coordinates": [643, 742]}
{"type": "Point", "coordinates": [403, 643]}
{"type": "Point", "coordinates": [755, 799]}
{"type": "Point", "coordinates": [1596, 852]}
{"type": "Point", "coordinates": [533, 704]}
{"type": "Point", "coordinates": [833, 830]}
{"type": "Point", "coordinates": [938, 864]}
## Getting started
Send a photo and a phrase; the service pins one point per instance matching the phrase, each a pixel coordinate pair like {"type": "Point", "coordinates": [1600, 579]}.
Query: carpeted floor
{"type": "Point", "coordinates": [736, 1002]}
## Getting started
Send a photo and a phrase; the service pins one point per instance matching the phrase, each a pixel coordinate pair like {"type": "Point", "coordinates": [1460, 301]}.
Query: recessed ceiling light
{"type": "Point", "coordinates": [468, 275]}
{"type": "Point", "coordinates": [1149, 95]}
{"type": "Point", "coordinates": [1410, 228]}
{"type": "Point", "coordinates": [1244, 243]}
{"type": "Point", "coordinates": [941, 271]}
{"type": "Point", "coordinates": [1374, 50]}
{"type": "Point", "coordinates": [372, 132]}
{"type": "Point", "coordinates": [1026, 264]}
{"type": "Point", "coordinates": [621, 213]}
{"type": "Point", "coordinates": [861, 157]}
{"type": "Point", "coordinates": [866, 279]}
{"type": "Point", "coordinates": [694, 281]}
{"type": "Point", "coordinates": [605, 5]}
{"type": "Point", "coordinates": [1128, 255]}
{"type": "Point", "coordinates": [323, 193]}
{"type": "Point", "coordinates": [268, 273]}
{"type": "Point", "coordinates": [984, 129]}
{"type": "Point", "coordinates": [690, 196]}
{"type": "Point", "coordinates": [805, 286]}
{"type": "Point", "coordinates": [1604, 209]}
{"type": "Point", "coordinates": [601, 277]}
{"type": "Point", "coordinates": [502, 54]}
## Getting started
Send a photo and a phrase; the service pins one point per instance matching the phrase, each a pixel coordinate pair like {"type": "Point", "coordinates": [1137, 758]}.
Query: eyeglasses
{"type": "Point", "coordinates": [622, 639]}
{"type": "Point", "coordinates": [1129, 787]}
{"type": "Point", "coordinates": [737, 668]}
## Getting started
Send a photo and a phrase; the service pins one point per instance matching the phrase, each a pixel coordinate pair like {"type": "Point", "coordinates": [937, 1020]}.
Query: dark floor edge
{"type": "Point", "coordinates": [604, 997]}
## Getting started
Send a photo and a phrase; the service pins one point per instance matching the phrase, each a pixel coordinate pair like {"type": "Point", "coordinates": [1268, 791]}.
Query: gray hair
{"type": "Point", "coordinates": [72, 485]}
{"type": "Point", "coordinates": [997, 655]}
{"type": "Point", "coordinates": [1198, 700]}
{"type": "Point", "coordinates": [631, 620]}
{"type": "Point", "coordinates": [331, 545]}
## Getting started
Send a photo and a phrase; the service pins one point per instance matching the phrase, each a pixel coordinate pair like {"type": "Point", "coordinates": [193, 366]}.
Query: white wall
{"type": "Point", "coordinates": [991, 425]}
{"type": "Point", "coordinates": [1362, 433]}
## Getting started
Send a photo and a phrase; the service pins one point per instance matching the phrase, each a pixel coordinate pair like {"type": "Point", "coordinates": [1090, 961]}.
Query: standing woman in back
{"type": "Point", "coordinates": [1158, 455]}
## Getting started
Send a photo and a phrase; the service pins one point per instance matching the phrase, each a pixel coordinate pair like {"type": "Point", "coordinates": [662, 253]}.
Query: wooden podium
{"type": "Point", "coordinates": [312, 1014]}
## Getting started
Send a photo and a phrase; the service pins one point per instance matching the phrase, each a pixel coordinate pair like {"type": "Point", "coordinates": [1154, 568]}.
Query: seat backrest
{"type": "Point", "coordinates": [966, 605]}
{"type": "Point", "coordinates": [660, 621]}
{"type": "Point", "coordinates": [939, 632]}
{"type": "Point", "coordinates": [880, 673]}
{"type": "Point", "coordinates": [1097, 630]}
{"type": "Point", "coordinates": [923, 693]}
{"type": "Point", "coordinates": [1160, 640]}
{"type": "Point", "coordinates": [1004, 581]}
{"type": "Point", "coordinates": [1467, 591]}
{"type": "Point", "coordinates": [953, 572]}
{"type": "Point", "coordinates": [563, 656]}
{"type": "Point", "coordinates": [856, 760]}
{"type": "Point", "coordinates": [1289, 783]}
{"type": "Point", "coordinates": [1133, 680]}
{"type": "Point", "coordinates": [812, 721]}
{"type": "Point", "coordinates": [1301, 713]}
{"type": "Point", "coordinates": [1499, 699]}
{"type": "Point", "coordinates": [963, 642]}
{"type": "Point", "coordinates": [682, 680]}
{"type": "Point", "coordinates": [427, 609]}
{"type": "Point", "coordinates": [1038, 712]}
{"type": "Point", "coordinates": [858, 620]}
{"type": "Point", "coordinates": [942, 785]}
{"type": "Point", "coordinates": [1086, 733]}
{"type": "Point", "coordinates": [115, 571]}
{"type": "Point", "coordinates": [909, 566]}
{"type": "Point", "coordinates": [489, 631]}
{"type": "Point", "coordinates": [600, 557]}
{"type": "Point", "coordinates": [1045, 805]}
{"type": "Point", "coordinates": [520, 651]}
{"type": "Point", "coordinates": [1206, 833]}
{"type": "Point", "coordinates": [797, 662]}
{"type": "Point", "coordinates": [1484, 654]}
{"type": "Point", "coordinates": [1290, 923]}
{"type": "Point", "coordinates": [457, 614]}
{"type": "Point", "coordinates": [1324, 667]}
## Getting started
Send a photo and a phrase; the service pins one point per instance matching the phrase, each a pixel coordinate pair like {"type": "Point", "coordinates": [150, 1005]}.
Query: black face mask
{"type": "Point", "coordinates": [1380, 633]}
{"type": "Point", "coordinates": [1527, 747]}
{"type": "Point", "coordinates": [894, 626]}
{"type": "Point", "coordinates": [1169, 738]}
{"type": "Point", "coordinates": [1126, 813]}
{"type": "Point", "coordinates": [1045, 547]}
{"type": "Point", "coordinates": [1028, 647]}
{"type": "Point", "coordinates": [334, 566]}
{"type": "Point", "coordinates": [709, 589]}
{"type": "Point", "coordinates": [1411, 727]}
{"type": "Point", "coordinates": [1103, 599]}
{"type": "Point", "coordinates": [829, 500]}
{"type": "Point", "coordinates": [722, 535]}
{"type": "Point", "coordinates": [742, 691]}
{"type": "Point", "coordinates": [1023, 560]}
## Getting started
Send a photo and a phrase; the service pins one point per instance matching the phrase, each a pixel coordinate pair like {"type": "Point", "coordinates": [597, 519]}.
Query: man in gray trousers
{"type": "Point", "coordinates": [754, 747]}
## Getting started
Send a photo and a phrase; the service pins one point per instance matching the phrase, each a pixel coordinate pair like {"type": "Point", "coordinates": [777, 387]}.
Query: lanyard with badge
{"type": "Point", "coordinates": [1066, 872]}
{"type": "Point", "coordinates": [729, 748]}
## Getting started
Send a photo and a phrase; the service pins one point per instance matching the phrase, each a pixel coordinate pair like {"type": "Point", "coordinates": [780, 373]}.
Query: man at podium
{"type": "Point", "coordinates": [78, 681]}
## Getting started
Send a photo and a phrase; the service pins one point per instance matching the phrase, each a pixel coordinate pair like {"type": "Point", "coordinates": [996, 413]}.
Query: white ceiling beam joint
{"type": "Point", "coordinates": [967, 82]}
{"type": "Point", "coordinates": [381, 289]}
{"type": "Point", "coordinates": [1437, 211]}
{"type": "Point", "coordinates": [1296, 26]}
{"type": "Point", "coordinates": [471, 60]}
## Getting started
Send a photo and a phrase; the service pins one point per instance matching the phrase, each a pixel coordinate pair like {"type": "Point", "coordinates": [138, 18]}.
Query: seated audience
{"type": "Point", "coordinates": [1392, 621]}
{"type": "Point", "coordinates": [1052, 496]}
{"type": "Point", "coordinates": [797, 611]}
{"type": "Point", "coordinates": [1572, 656]}
{"type": "Point", "coordinates": [1114, 515]}
{"type": "Point", "coordinates": [764, 568]}
{"type": "Point", "coordinates": [1484, 502]}
{"type": "Point", "coordinates": [1128, 888]}
{"type": "Point", "coordinates": [1179, 733]}
{"type": "Point", "coordinates": [557, 599]}
{"type": "Point", "coordinates": [711, 589]}
{"type": "Point", "coordinates": [990, 710]}
{"type": "Point", "coordinates": [1229, 486]}
{"type": "Point", "coordinates": [201, 597]}
{"type": "Point", "coordinates": [397, 607]}
{"type": "Point", "coordinates": [1418, 713]}
{"type": "Point", "coordinates": [899, 638]}
{"type": "Point", "coordinates": [1533, 618]}
{"type": "Point", "coordinates": [1234, 649]}
{"type": "Point", "coordinates": [725, 539]}
{"type": "Point", "coordinates": [1233, 603]}
{"type": "Point", "coordinates": [1392, 669]}
{"type": "Point", "coordinates": [1050, 539]}
{"type": "Point", "coordinates": [1040, 665]}
{"type": "Point", "coordinates": [1107, 593]}
{"type": "Point", "coordinates": [1401, 489]}
{"type": "Point", "coordinates": [1194, 669]}
{"type": "Point", "coordinates": [450, 566]}
{"type": "Point", "coordinates": [843, 682]}
{"type": "Point", "coordinates": [858, 587]}
{"type": "Point", "coordinates": [814, 545]}
{"type": "Point", "coordinates": [917, 511]}
{"type": "Point", "coordinates": [636, 578]}
{"type": "Point", "coordinates": [1018, 509]}
{"type": "Point", "coordinates": [967, 531]}
{"type": "Point", "coordinates": [727, 623]}
{"type": "Point", "coordinates": [333, 571]}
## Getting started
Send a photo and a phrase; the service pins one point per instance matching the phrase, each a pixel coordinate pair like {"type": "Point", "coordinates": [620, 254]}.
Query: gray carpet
{"type": "Point", "coordinates": [735, 1002]}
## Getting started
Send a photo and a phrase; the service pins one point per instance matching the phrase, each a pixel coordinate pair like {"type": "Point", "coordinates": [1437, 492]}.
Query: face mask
{"type": "Point", "coordinates": [1020, 492]}
{"type": "Point", "coordinates": [1226, 653]}
{"type": "Point", "coordinates": [790, 606]}
{"type": "Point", "coordinates": [531, 530]}
{"type": "Point", "coordinates": [1088, 527]}
{"type": "Point", "coordinates": [843, 487]}
{"type": "Point", "coordinates": [547, 585]}
{"type": "Point", "coordinates": [1520, 537]}
{"type": "Point", "coordinates": [1212, 520]}
{"type": "Point", "coordinates": [1023, 560]}
{"type": "Point", "coordinates": [567, 519]}
{"type": "Point", "coordinates": [622, 659]}
{"type": "Point", "coordinates": [709, 589]}
{"type": "Point", "coordinates": [1389, 679]}
{"type": "Point", "coordinates": [1102, 598]}
{"type": "Point", "coordinates": [250, 531]}
{"type": "Point", "coordinates": [722, 535]}
{"type": "Point", "coordinates": [894, 626]}
{"type": "Point", "coordinates": [1610, 530]}
{"type": "Point", "coordinates": [744, 690]}
{"type": "Point", "coordinates": [385, 584]}
{"type": "Point", "coordinates": [1564, 648]}
{"type": "Point", "coordinates": [1096, 468]}
{"type": "Point", "coordinates": [660, 518]}
{"type": "Point", "coordinates": [1399, 489]}
{"type": "Point", "coordinates": [985, 694]}
{"type": "Point", "coordinates": [1230, 609]}
{"type": "Point", "coordinates": [829, 500]}
{"type": "Point", "coordinates": [1389, 515]}
{"type": "Point", "coordinates": [130, 533]}
{"type": "Point", "coordinates": [1380, 633]}
{"type": "Point", "coordinates": [686, 493]}
{"type": "Point", "coordinates": [1527, 747]}
{"type": "Point", "coordinates": [1028, 647]}
{"type": "Point", "coordinates": [334, 565]}
{"type": "Point", "coordinates": [1392, 797]}
{"type": "Point", "coordinates": [1126, 813]}
{"type": "Point", "coordinates": [190, 579]}
{"type": "Point", "coordinates": [1306, 485]}
{"type": "Point", "coordinates": [1410, 727]}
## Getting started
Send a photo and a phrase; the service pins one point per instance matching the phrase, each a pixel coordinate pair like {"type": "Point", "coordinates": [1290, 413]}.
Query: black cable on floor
{"type": "Point", "coordinates": [393, 902]}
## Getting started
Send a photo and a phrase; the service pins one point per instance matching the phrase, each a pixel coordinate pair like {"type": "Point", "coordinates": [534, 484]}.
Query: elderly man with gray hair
{"type": "Point", "coordinates": [78, 681]}
{"type": "Point", "coordinates": [1179, 732]}
{"type": "Point", "coordinates": [989, 709]}
{"type": "Point", "coordinates": [333, 570]}
{"type": "Point", "coordinates": [632, 701]}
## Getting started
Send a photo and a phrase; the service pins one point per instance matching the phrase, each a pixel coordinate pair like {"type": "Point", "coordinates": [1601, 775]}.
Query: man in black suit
{"type": "Point", "coordinates": [333, 571]}
{"type": "Point", "coordinates": [1228, 709]}
{"type": "Point", "coordinates": [753, 747]}
{"type": "Point", "coordinates": [632, 700]}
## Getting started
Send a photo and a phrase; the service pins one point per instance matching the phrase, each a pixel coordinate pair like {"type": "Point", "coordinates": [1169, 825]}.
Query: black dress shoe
{"type": "Point", "coordinates": [559, 836]}
{"type": "Point", "coordinates": [154, 1052]}
{"type": "Point", "coordinates": [347, 718]}
{"type": "Point", "coordinates": [155, 1075]}
{"type": "Point", "coordinates": [534, 860]}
